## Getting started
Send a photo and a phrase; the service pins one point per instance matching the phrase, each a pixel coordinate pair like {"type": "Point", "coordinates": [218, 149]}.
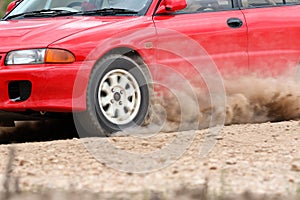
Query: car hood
{"type": "Point", "coordinates": [39, 33]}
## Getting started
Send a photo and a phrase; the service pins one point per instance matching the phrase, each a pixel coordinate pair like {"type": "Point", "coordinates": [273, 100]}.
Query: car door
{"type": "Point", "coordinates": [273, 35]}
{"type": "Point", "coordinates": [218, 28]}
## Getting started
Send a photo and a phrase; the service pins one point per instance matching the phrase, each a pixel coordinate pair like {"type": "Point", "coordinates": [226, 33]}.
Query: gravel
{"type": "Point", "coordinates": [258, 158]}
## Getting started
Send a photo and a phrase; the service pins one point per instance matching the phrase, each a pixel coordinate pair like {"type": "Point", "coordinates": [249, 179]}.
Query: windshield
{"type": "Point", "coordinates": [25, 6]}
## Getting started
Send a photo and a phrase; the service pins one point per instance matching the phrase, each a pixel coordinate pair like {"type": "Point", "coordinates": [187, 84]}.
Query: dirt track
{"type": "Point", "coordinates": [261, 158]}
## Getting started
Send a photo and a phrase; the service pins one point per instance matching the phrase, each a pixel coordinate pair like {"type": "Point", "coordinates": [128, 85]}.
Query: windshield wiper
{"type": "Point", "coordinates": [41, 13]}
{"type": "Point", "coordinates": [110, 11]}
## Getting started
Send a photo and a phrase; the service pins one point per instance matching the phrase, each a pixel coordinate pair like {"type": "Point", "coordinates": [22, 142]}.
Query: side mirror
{"type": "Point", "coordinates": [169, 6]}
{"type": "Point", "coordinates": [12, 5]}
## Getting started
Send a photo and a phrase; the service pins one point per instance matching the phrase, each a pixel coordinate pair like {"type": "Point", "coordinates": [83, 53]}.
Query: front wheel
{"type": "Point", "coordinates": [118, 96]}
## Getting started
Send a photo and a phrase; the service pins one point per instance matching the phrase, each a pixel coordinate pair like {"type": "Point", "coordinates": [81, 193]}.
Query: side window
{"type": "Point", "coordinates": [260, 3]}
{"type": "Point", "coordinates": [267, 3]}
{"type": "Point", "coordinates": [206, 6]}
{"type": "Point", "coordinates": [292, 1]}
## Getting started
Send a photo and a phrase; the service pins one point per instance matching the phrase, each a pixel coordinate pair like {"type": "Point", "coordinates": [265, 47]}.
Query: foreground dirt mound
{"type": "Point", "coordinates": [260, 158]}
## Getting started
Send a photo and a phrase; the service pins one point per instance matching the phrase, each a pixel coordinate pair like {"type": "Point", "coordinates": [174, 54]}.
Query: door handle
{"type": "Point", "coordinates": [234, 22]}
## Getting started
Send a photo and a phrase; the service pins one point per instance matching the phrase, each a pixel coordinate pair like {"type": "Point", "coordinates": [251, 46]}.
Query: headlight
{"type": "Point", "coordinates": [39, 56]}
{"type": "Point", "coordinates": [32, 56]}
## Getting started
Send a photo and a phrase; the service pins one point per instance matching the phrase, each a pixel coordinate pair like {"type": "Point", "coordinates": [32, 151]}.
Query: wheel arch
{"type": "Point", "coordinates": [131, 53]}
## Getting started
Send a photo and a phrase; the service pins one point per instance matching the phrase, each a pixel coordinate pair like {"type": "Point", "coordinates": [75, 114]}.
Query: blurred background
{"type": "Point", "coordinates": [3, 6]}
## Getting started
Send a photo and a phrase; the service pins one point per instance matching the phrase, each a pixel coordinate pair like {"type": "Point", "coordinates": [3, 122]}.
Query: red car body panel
{"type": "Point", "coordinates": [273, 46]}
{"type": "Point", "coordinates": [226, 46]}
{"type": "Point", "coordinates": [265, 42]}
{"type": "Point", "coordinates": [40, 32]}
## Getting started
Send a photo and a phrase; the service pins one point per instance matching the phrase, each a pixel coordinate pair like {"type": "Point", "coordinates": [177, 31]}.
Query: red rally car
{"type": "Point", "coordinates": [95, 58]}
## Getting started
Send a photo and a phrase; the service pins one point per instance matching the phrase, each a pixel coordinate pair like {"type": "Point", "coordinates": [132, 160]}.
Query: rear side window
{"type": "Point", "coordinates": [267, 3]}
{"type": "Point", "coordinates": [292, 1]}
{"type": "Point", "coordinates": [207, 6]}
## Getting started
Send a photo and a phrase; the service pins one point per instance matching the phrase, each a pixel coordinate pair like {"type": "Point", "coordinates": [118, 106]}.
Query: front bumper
{"type": "Point", "coordinates": [51, 87]}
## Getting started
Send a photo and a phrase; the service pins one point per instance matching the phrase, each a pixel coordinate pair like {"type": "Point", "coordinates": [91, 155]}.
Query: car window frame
{"type": "Point", "coordinates": [235, 6]}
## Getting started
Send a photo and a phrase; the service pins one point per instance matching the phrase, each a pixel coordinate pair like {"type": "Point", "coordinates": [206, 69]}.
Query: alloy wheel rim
{"type": "Point", "coordinates": [119, 96]}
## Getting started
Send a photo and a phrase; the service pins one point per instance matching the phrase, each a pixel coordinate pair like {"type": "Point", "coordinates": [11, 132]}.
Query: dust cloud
{"type": "Point", "coordinates": [249, 99]}
{"type": "Point", "coordinates": [252, 100]}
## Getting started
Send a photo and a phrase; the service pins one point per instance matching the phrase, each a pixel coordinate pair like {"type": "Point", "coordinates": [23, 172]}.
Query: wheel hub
{"type": "Point", "coordinates": [117, 96]}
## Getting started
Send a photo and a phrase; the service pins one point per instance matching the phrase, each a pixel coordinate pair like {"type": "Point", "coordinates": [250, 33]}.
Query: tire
{"type": "Point", "coordinates": [118, 96]}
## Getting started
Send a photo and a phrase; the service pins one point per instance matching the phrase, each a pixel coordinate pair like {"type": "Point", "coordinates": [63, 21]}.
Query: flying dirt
{"type": "Point", "coordinates": [249, 99]}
